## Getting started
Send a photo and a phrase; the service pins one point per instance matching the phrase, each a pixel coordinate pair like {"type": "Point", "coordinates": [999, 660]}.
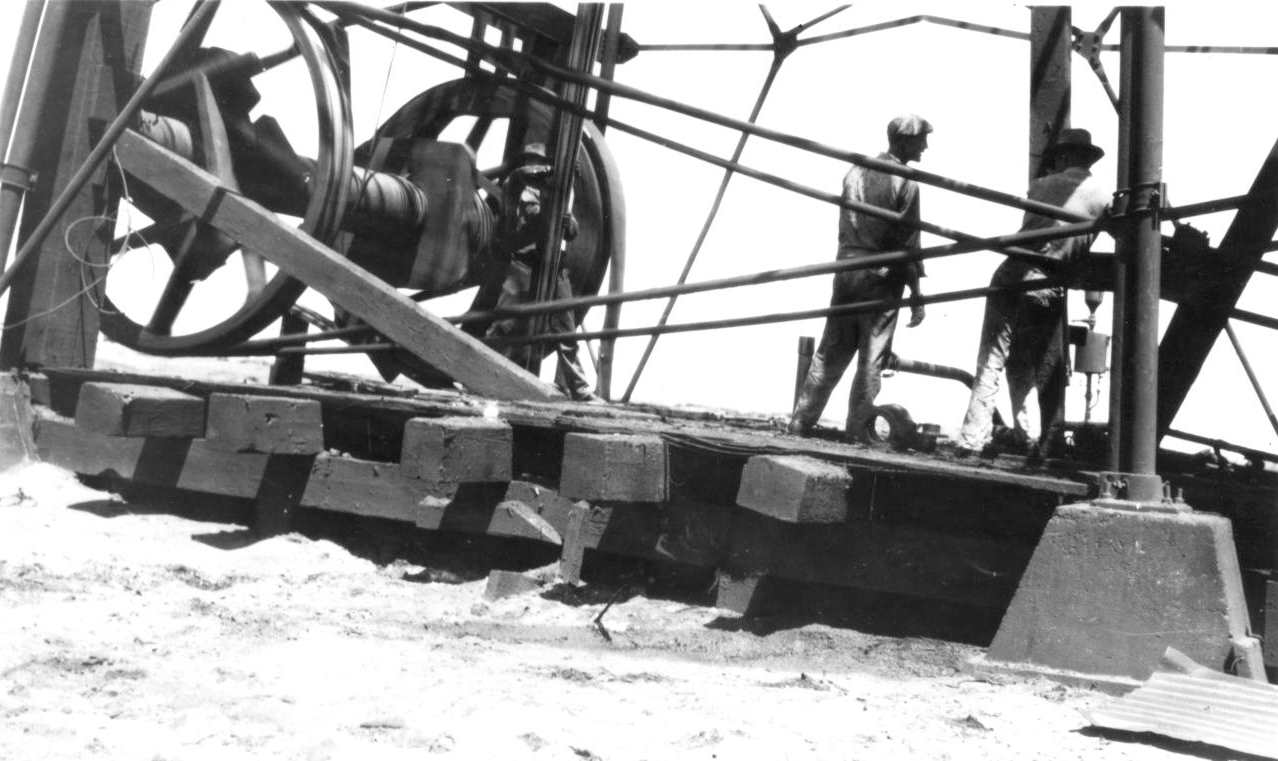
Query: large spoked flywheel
{"type": "Point", "coordinates": [179, 286]}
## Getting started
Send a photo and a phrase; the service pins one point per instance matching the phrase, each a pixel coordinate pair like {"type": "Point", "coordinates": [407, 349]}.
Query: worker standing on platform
{"type": "Point", "coordinates": [523, 228]}
{"type": "Point", "coordinates": [1022, 332]}
{"type": "Point", "coordinates": [868, 335]}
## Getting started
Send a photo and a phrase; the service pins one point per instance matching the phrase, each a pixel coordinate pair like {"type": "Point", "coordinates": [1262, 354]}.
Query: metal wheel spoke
{"type": "Point", "coordinates": [479, 131]}
{"type": "Point", "coordinates": [176, 290]}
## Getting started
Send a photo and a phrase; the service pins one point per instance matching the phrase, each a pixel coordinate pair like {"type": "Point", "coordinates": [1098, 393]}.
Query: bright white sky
{"type": "Point", "coordinates": [972, 87]}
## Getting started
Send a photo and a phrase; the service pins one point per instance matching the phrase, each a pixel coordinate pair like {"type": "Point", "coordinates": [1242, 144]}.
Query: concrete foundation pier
{"type": "Point", "coordinates": [1109, 589]}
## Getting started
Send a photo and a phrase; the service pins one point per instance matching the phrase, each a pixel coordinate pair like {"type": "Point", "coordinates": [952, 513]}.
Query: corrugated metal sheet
{"type": "Point", "coordinates": [1203, 706]}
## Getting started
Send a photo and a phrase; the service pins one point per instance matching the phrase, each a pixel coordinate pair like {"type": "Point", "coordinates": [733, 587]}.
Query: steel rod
{"type": "Point", "coordinates": [1221, 444]}
{"type": "Point", "coordinates": [757, 278]}
{"type": "Point", "coordinates": [1202, 207]}
{"type": "Point", "coordinates": [759, 100]}
{"type": "Point", "coordinates": [518, 61]}
{"type": "Point", "coordinates": [856, 307]}
{"type": "Point", "coordinates": [905, 21]}
{"type": "Point", "coordinates": [16, 162]}
{"type": "Point", "coordinates": [1265, 321]}
{"type": "Point", "coordinates": [583, 49]}
{"type": "Point", "coordinates": [560, 103]}
{"type": "Point", "coordinates": [1267, 268]}
{"type": "Point", "coordinates": [103, 149]}
{"type": "Point", "coordinates": [1251, 376]}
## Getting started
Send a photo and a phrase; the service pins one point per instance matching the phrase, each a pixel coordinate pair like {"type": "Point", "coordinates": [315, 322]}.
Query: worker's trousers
{"type": "Point", "coordinates": [868, 336]}
{"type": "Point", "coordinates": [1021, 335]}
{"type": "Point", "coordinates": [569, 375]}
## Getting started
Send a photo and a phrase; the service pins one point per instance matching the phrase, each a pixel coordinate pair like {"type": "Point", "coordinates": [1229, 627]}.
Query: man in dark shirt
{"type": "Point", "coordinates": [522, 230]}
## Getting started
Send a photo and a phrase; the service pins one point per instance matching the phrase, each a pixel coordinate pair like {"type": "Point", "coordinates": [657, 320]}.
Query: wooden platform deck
{"type": "Point", "coordinates": [730, 493]}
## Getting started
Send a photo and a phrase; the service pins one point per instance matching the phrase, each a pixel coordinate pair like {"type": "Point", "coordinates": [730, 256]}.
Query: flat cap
{"type": "Point", "coordinates": [908, 125]}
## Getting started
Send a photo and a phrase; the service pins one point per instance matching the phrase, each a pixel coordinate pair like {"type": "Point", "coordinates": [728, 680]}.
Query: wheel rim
{"type": "Point", "coordinates": [321, 218]}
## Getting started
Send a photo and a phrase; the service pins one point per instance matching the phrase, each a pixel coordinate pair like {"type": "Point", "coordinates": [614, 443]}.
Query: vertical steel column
{"type": "Point", "coordinates": [616, 267]}
{"type": "Point", "coordinates": [582, 52]}
{"type": "Point", "coordinates": [1051, 38]}
{"type": "Point", "coordinates": [16, 174]}
{"type": "Point", "coordinates": [1140, 249]}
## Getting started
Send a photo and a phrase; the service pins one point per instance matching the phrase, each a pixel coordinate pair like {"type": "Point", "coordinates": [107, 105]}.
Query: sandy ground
{"type": "Point", "coordinates": [132, 633]}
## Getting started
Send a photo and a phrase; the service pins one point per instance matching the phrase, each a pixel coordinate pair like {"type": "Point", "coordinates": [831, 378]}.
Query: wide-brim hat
{"type": "Point", "coordinates": [533, 159]}
{"type": "Point", "coordinates": [1074, 140]}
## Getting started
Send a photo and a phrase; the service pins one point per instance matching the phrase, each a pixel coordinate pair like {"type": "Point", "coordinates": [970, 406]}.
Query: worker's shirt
{"type": "Point", "coordinates": [1074, 189]}
{"type": "Point", "coordinates": [528, 226]}
{"type": "Point", "coordinates": [861, 234]}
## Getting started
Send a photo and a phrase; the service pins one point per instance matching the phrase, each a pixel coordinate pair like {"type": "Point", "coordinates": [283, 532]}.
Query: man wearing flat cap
{"type": "Point", "coordinates": [868, 336]}
{"type": "Point", "coordinates": [1022, 331]}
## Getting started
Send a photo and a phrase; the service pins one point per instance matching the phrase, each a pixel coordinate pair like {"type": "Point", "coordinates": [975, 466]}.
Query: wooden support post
{"type": "Point", "coordinates": [573, 553]}
{"type": "Point", "coordinates": [1051, 40]}
{"type": "Point", "coordinates": [16, 417]}
{"type": "Point", "coordinates": [388, 311]}
{"type": "Point", "coordinates": [795, 489]}
{"type": "Point", "coordinates": [88, 50]}
{"type": "Point", "coordinates": [271, 424]}
{"type": "Point", "coordinates": [455, 450]}
{"type": "Point", "coordinates": [614, 467]}
{"type": "Point", "coordinates": [1049, 106]}
{"type": "Point", "coordinates": [124, 409]}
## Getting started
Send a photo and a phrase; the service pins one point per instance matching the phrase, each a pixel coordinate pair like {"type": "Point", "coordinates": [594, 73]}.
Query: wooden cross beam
{"type": "Point", "coordinates": [394, 315]}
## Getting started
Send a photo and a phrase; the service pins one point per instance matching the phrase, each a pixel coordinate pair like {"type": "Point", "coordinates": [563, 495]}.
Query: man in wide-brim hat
{"type": "Point", "coordinates": [1023, 332]}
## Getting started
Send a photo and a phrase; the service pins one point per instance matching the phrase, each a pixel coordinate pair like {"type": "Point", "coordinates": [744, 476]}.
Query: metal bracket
{"type": "Point", "coordinates": [1140, 492]}
{"type": "Point", "coordinates": [17, 176]}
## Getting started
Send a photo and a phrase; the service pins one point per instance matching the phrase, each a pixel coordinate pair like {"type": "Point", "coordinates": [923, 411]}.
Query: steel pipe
{"type": "Point", "coordinates": [856, 307]}
{"type": "Point", "coordinates": [1140, 248]}
{"type": "Point", "coordinates": [16, 151]}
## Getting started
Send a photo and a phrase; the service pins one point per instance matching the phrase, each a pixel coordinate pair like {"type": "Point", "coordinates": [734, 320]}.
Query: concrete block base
{"type": "Point", "coordinates": [1107, 591]}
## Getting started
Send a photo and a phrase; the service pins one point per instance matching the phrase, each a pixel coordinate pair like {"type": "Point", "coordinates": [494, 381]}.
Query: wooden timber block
{"type": "Point", "coordinates": [573, 553]}
{"type": "Point", "coordinates": [614, 467]}
{"type": "Point", "coordinates": [362, 487]}
{"type": "Point", "coordinates": [271, 424]}
{"type": "Point", "coordinates": [509, 584]}
{"type": "Point", "coordinates": [795, 489]}
{"type": "Point", "coordinates": [40, 388]}
{"type": "Point", "coordinates": [495, 509]}
{"type": "Point", "coordinates": [17, 442]}
{"type": "Point", "coordinates": [457, 449]}
{"type": "Point", "coordinates": [1270, 648]}
{"type": "Point", "coordinates": [746, 594]}
{"type": "Point", "coordinates": [125, 409]}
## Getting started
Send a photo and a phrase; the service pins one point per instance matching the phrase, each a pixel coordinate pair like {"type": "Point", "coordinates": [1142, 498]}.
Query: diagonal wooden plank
{"type": "Point", "coordinates": [1207, 303]}
{"type": "Point", "coordinates": [461, 356]}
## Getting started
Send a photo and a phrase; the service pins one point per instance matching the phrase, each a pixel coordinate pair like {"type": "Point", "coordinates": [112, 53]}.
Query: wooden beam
{"type": "Point", "coordinates": [614, 467]}
{"type": "Point", "coordinates": [86, 53]}
{"type": "Point", "coordinates": [129, 409]}
{"type": "Point", "coordinates": [391, 313]}
{"type": "Point", "coordinates": [250, 423]}
{"type": "Point", "coordinates": [1204, 310]}
{"type": "Point", "coordinates": [457, 449]}
{"type": "Point", "coordinates": [795, 489]}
